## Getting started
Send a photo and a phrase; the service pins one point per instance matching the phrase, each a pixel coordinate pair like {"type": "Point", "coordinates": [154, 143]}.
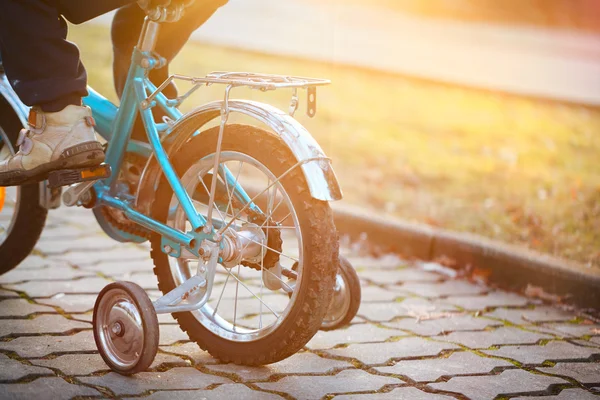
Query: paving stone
{"type": "Point", "coordinates": [379, 353]}
{"type": "Point", "coordinates": [45, 389]}
{"type": "Point", "coordinates": [494, 299]}
{"type": "Point", "coordinates": [147, 280]}
{"type": "Point", "coordinates": [41, 346]}
{"type": "Point", "coordinates": [96, 243]}
{"type": "Point", "coordinates": [58, 272]}
{"type": "Point", "coordinates": [122, 254]}
{"type": "Point", "coordinates": [402, 393]}
{"type": "Point", "coordinates": [446, 288]}
{"type": "Point", "coordinates": [500, 336]}
{"type": "Point", "coordinates": [12, 370]}
{"type": "Point", "coordinates": [166, 319]}
{"type": "Point", "coordinates": [171, 334]}
{"type": "Point", "coordinates": [528, 315]}
{"type": "Point", "coordinates": [192, 351]}
{"type": "Point", "coordinates": [44, 289]}
{"type": "Point", "coordinates": [227, 391]}
{"type": "Point", "coordinates": [388, 261]}
{"type": "Point", "coordinates": [118, 268]}
{"type": "Point", "coordinates": [176, 378]}
{"type": "Point", "coordinates": [566, 394]}
{"type": "Point", "coordinates": [390, 277]}
{"type": "Point", "coordinates": [71, 303]}
{"type": "Point", "coordinates": [300, 363]}
{"type": "Point", "coordinates": [5, 294]}
{"type": "Point", "coordinates": [357, 333]}
{"type": "Point", "coordinates": [315, 387]}
{"type": "Point", "coordinates": [21, 308]}
{"type": "Point", "coordinates": [35, 262]}
{"type": "Point", "coordinates": [86, 364]}
{"type": "Point", "coordinates": [459, 363]}
{"type": "Point", "coordinates": [448, 323]}
{"type": "Point", "coordinates": [586, 373]}
{"type": "Point", "coordinates": [40, 324]}
{"type": "Point", "coordinates": [410, 307]}
{"type": "Point", "coordinates": [553, 351]}
{"type": "Point", "coordinates": [589, 343]}
{"type": "Point", "coordinates": [572, 330]}
{"type": "Point", "coordinates": [488, 387]}
{"type": "Point", "coordinates": [57, 235]}
{"type": "Point", "coordinates": [371, 294]}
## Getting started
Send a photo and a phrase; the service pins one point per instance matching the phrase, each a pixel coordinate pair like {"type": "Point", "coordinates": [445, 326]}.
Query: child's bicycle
{"type": "Point", "coordinates": [243, 241]}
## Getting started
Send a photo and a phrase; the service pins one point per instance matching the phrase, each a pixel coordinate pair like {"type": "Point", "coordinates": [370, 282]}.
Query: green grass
{"type": "Point", "coordinates": [508, 168]}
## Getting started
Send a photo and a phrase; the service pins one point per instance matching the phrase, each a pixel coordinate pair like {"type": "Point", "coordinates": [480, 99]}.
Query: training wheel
{"type": "Point", "coordinates": [125, 328]}
{"type": "Point", "coordinates": [345, 299]}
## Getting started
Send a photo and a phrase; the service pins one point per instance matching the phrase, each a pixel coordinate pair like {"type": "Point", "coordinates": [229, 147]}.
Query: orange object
{"type": "Point", "coordinates": [2, 197]}
{"type": "Point", "coordinates": [93, 173]}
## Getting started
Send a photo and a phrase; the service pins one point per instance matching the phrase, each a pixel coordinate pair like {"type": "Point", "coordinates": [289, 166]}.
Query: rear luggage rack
{"type": "Point", "coordinates": [262, 82]}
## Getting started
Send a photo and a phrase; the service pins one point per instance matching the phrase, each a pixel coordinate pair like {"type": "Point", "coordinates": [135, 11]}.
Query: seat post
{"type": "Point", "coordinates": [149, 35]}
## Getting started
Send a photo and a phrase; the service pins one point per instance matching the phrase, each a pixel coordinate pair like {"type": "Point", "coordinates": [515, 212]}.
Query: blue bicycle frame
{"type": "Point", "coordinates": [115, 125]}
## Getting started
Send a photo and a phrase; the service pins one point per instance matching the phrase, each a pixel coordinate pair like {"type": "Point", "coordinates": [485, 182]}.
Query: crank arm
{"type": "Point", "coordinates": [73, 194]}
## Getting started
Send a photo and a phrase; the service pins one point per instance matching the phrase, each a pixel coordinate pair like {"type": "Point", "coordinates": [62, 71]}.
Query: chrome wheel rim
{"type": "Point", "coordinates": [12, 195]}
{"type": "Point", "coordinates": [251, 311]}
{"type": "Point", "coordinates": [339, 304]}
{"type": "Point", "coordinates": [120, 329]}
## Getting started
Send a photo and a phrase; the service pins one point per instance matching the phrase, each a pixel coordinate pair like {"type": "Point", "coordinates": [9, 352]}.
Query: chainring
{"type": "Point", "coordinates": [119, 221]}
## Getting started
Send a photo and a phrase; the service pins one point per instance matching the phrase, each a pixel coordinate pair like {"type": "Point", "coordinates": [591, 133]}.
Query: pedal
{"type": "Point", "coordinates": [68, 177]}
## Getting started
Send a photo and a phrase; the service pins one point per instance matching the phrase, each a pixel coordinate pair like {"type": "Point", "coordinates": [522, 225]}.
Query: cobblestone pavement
{"type": "Point", "coordinates": [419, 335]}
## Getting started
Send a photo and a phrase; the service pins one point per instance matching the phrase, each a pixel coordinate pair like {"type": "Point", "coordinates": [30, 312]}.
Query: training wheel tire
{"type": "Point", "coordinates": [345, 300]}
{"type": "Point", "coordinates": [125, 328]}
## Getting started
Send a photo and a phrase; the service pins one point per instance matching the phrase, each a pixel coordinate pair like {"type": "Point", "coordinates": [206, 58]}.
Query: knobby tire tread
{"type": "Point", "coordinates": [30, 222]}
{"type": "Point", "coordinates": [320, 240]}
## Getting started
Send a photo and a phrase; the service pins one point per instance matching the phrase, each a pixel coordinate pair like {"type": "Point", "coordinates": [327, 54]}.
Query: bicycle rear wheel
{"type": "Point", "coordinates": [22, 219]}
{"type": "Point", "coordinates": [250, 319]}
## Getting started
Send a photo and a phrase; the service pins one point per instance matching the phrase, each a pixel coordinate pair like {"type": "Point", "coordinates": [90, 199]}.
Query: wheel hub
{"type": "Point", "coordinates": [122, 332]}
{"type": "Point", "coordinates": [246, 244]}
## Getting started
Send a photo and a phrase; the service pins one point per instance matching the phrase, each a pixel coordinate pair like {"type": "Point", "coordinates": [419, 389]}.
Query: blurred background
{"type": "Point", "coordinates": [477, 116]}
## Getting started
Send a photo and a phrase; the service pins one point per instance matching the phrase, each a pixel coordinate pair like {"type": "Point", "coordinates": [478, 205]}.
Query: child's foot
{"type": "Point", "coordinates": [54, 141]}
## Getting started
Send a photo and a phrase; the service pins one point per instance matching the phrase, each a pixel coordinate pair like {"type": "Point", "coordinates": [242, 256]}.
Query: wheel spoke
{"type": "Point", "coordinates": [286, 217]}
{"type": "Point", "coordinates": [251, 292]}
{"type": "Point", "coordinates": [208, 192]}
{"type": "Point", "coordinates": [274, 251]}
{"type": "Point", "coordinates": [243, 320]}
{"type": "Point", "coordinates": [230, 195]}
{"type": "Point", "coordinates": [221, 295]}
{"type": "Point", "coordinates": [264, 223]}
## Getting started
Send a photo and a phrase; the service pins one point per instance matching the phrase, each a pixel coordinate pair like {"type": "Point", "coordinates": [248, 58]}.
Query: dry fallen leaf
{"type": "Point", "coordinates": [539, 293]}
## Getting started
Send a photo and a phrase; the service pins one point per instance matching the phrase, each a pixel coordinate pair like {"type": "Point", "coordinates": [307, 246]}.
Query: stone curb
{"type": "Point", "coordinates": [509, 266]}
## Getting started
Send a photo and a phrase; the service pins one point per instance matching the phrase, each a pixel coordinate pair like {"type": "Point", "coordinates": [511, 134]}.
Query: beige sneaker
{"type": "Point", "coordinates": [54, 141]}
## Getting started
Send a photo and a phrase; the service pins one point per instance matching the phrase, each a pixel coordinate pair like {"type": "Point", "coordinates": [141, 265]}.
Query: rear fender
{"type": "Point", "coordinates": [321, 179]}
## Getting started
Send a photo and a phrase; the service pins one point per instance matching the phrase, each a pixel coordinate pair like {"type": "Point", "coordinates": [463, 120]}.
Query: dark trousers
{"type": "Point", "coordinates": [45, 69]}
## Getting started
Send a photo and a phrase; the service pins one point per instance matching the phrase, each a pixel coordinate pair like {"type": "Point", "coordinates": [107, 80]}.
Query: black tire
{"type": "Point", "coordinates": [352, 292]}
{"type": "Point", "coordinates": [31, 217]}
{"type": "Point", "coordinates": [320, 247]}
{"type": "Point", "coordinates": [149, 325]}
